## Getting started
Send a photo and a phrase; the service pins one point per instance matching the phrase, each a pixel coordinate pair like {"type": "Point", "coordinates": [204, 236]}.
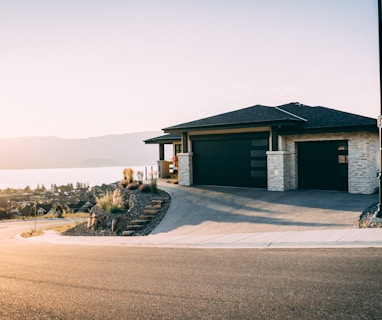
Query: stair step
{"type": "Point", "coordinates": [128, 233]}
{"type": "Point", "coordinates": [153, 207]}
{"type": "Point", "coordinates": [134, 227]}
{"type": "Point", "coordinates": [147, 216]}
{"type": "Point", "coordinates": [150, 211]}
{"type": "Point", "coordinates": [160, 199]}
{"type": "Point", "coordinates": [138, 222]}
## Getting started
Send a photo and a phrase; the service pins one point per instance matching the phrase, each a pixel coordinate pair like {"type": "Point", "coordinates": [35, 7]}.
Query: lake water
{"type": "Point", "coordinates": [21, 178]}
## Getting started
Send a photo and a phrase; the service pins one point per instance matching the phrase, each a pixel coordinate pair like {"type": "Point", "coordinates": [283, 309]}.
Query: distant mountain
{"type": "Point", "coordinates": [50, 152]}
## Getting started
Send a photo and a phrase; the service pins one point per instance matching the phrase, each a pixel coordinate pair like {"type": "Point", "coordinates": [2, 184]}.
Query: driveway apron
{"type": "Point", "coordinates": [203, 210]}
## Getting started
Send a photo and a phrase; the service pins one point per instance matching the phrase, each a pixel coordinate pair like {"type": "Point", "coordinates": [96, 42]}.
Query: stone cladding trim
{"type": "Point", "coordinates": [185, 169]}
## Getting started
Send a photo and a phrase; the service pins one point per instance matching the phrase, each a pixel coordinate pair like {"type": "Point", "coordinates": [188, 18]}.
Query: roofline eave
{"type": "Point", "coordinates": [285, 123]}
{"type": "Point", "coordinates": [302, 130]}
{"type": "Point", "coordinates": [161, 141]}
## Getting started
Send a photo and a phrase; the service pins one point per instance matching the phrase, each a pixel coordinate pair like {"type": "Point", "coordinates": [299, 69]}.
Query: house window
{"type": "Point", "coordinates": [342, 152]}
{"type": "Point", "coordinates": [343, 160]}
{"type": "Point", "coordinates": [258, 150]}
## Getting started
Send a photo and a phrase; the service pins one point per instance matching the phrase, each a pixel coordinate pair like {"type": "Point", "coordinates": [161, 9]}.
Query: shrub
{"type": "Point", "coordinates": [153, 182]}
{"type": "Point", "coordinates": [123, 183]}
{"type": "Point", "coordinates": [132, 186]}
{"type": "Point", "coordinates": [144, 188]}
{"type": "Point", "coordinates": [110, 201]}
{"type": "Point", "coordinates": [153, 186]}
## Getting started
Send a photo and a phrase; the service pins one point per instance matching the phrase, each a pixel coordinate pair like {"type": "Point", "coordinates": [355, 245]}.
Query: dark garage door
{"type": "Point", "coordinates": [323, 165]}
{"type": "Point", "coordinates": [231, 160]}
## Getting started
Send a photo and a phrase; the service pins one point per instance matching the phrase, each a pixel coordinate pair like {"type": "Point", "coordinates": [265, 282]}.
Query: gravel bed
{"type": "Point", "coordinates": [142, 200]}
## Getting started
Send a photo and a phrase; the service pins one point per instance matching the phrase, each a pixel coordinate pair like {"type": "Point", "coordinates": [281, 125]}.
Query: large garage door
{"type": "Point", "coordinates": [323, 165]}
{"type": "Point", "coordinates": [231, 160]}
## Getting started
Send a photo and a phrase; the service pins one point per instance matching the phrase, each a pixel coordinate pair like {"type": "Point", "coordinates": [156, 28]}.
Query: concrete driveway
{"type": "Point", "coordinates": [205, 210]}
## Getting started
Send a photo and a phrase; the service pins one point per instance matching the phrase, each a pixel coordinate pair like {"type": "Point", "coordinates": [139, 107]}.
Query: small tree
{"type": "Point", "coordinates": [128, 174]}
{"type": "Point", "coordinates": [32, 211]}
{"type": "Point", "coordinates": [140, 177]}
{"type": "Point", "coordinates": [59, 211]}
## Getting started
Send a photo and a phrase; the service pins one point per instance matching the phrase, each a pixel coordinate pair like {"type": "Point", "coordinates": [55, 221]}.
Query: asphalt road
{"type": "Point", "coordinates": [46, 281]}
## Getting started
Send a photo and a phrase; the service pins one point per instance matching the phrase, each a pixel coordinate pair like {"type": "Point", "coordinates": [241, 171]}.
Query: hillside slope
{"type": "Point", "coordinates": [51, 152]}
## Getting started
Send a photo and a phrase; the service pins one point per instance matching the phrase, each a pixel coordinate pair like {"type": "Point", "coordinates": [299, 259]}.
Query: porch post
{"type": "Point", "coordinates": [161, 151]}
{"type": "Point", "coordinates": [184, 142]}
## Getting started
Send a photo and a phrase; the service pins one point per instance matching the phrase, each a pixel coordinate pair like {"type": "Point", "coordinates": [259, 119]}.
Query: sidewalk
{"type": "Point", "coordinates": [342, 238]}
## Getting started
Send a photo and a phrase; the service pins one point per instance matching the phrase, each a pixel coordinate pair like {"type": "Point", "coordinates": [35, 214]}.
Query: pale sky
{"type": "Point", "coordinates": [84, 68]}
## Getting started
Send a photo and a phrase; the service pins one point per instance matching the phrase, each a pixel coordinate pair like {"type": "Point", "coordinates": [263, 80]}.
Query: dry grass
{"type": "Point", "coordinates": [67, 215]}
{"type": "Point", "coordinates": [54, 216]}
{"type": "Point", "coordinates": [63, 228]}
{"type": "Point", "coordinates": [60, 228]}
{"type": "Point", "coordinates": [32, 233]}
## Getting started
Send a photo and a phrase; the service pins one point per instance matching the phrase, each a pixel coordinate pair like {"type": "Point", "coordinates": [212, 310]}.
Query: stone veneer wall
{"type": "Point", "coordinates": [278, 164]}
{"type": "Point", "coordinates": [362, 159]}
{"type": "Point", "coordinates": [363, 163]}
{"type": "Point", "coordinates": [185, 169]}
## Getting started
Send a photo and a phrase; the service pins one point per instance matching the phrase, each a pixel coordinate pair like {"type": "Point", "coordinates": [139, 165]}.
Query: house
{"type": "Point", "coordinates": [287, 147]}
{"type": "Point", "coordinates": [81, 206]}
{"type": "Point", "coordinates": [42, 209]}
{"type": "Point", "coordinates": [26, 211]}
{"type": "Point", "coordinates": [4, 214]}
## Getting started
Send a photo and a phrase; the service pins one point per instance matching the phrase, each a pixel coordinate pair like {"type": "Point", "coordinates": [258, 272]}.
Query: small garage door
{"type": "Point", "coordinates": [323, 165]}
{"type": "Point", "coordinates": [231, 160]}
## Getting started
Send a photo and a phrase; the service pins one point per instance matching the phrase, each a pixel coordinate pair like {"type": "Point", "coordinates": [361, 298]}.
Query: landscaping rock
{"type": "Point", "coordinates": [368, 219]}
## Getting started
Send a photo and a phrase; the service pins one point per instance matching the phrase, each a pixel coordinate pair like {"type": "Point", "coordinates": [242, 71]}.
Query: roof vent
{"type": "Point", "coordinates": [297, 103]}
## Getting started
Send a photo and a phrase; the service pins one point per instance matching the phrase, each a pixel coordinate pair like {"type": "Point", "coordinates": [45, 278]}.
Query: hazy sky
{"type": "Point", "coordinates": [82, 68]}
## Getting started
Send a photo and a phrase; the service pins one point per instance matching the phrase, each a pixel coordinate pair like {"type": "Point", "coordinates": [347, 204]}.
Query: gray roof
{"type": "Point", "coordinates": [165, 139]}
{"type": "Point", "coordinates": [291, 116]}
{"type": "Point", "coordinates": [322, 117]}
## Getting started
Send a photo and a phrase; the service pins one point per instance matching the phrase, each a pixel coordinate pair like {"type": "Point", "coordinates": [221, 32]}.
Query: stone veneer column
{"type": "Point", "coordinates": [278, 168]}
{"type": "Point", "coordinates": [185, 169]}
{"type": "Point", "coordinates": [363, 164]}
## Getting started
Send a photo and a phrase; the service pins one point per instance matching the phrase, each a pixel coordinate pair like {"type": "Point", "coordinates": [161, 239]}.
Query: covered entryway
{"type": "Point", "coordinates": [231, 160]}
{"type": "Point", "coordinates": [323, 165]}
